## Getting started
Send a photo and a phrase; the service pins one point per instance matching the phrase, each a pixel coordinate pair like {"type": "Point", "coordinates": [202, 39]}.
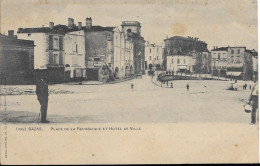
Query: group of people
{"type": "Point", "coordinates": [245, 86]}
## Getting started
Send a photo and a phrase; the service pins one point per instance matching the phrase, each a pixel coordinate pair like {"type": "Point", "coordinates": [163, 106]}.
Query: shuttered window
{"type": "Point", "coordinates": [50, 42]}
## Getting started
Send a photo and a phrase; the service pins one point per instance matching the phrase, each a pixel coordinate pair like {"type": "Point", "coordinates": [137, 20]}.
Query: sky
{"type": "Point", "coordinates": [217, 22]}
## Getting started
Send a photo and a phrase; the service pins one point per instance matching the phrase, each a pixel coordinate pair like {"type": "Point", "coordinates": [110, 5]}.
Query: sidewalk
{"type": "Point", "coordinates": [97, 82]}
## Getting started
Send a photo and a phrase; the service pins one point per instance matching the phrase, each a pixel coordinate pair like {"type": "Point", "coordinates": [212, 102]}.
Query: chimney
{"type": "Point", "coordinates": [88, 22]}
{"type": "Point", "coordinates": [11, 33]}
{"type": "Point", "coordinates": [51, 25]}
{"type": "Point", "coordinates": [79, 25]}
{"type": "Point", "coordinates": [70, 23]}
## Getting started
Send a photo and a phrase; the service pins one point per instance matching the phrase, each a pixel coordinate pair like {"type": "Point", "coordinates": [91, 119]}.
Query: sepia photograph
{"type": "Point", "coordinates": [129, 81]}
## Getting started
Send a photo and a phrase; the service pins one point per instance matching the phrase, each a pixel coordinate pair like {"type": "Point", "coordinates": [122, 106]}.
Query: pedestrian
{"type": "Point", "coordinates": [171, 85]}
{"type": "Point", "coordinates": [187, 86]}
{"type": "Point", "coordinates": [132, 86]}
{"type": "Point", "coordinates": [253, 101]}
{"type": "Point", "coordinates": [250, 87]}
{"type": "Point", "coordinates": [42, 93]}
{"type": "Point", "coordinates": [167, 83]}
{"type": "Point", "coordinates": [245, 86]}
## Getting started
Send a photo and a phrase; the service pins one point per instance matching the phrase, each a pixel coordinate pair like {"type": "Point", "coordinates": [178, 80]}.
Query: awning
{"type": "Point", "coordinates": [182, 67]}
{"type": "Point", "coordinates": [234, 73]}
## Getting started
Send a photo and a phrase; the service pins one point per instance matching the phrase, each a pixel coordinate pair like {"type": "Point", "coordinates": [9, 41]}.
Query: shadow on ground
{"type": "Point", "coordinates": [31, 117]}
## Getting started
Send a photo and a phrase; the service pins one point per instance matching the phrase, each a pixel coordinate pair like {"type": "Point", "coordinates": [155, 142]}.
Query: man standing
{"type": "Point", "coordinates": [253, 100]}
{"type": "Point", "coordinates": [42, 95]}
{"type": "Point", "coordinates": [188, 87]}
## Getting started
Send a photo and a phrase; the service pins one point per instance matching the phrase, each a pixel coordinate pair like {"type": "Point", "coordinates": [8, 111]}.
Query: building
{"type": "Point", "coordinates": [232, 62]}
{"type": "Point", "coordinates": [52, 60]}
{"type": "Point", "coordinates": [133, 31]}
{"type": "Point", "coordinates": [179, 62]}
{"type": "Point", "coordinates": [123, 55]}
{"type": "Point", "coordinates": [74, 48]}
{"type": "Point", "coordinates": [219, 61]}
{"type": "Point", "coordinates": [49, 50]}
{"type": "Point", "coordinates": [153, 56]}
{"type": "Point", "coordinates": [16, 60]}
{"type": "Point", "coordinates": [99, 45]}
{"type": "Point", "coordinates": [255, 65]}
{"type": "Point", "coordinates": [186, 47]}
{"type": "Point", "coordinates": [251, 65]}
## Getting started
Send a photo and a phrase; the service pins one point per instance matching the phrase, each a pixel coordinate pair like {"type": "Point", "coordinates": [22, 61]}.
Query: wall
{"type": "Point", "coordinates": [74, 47]}
{"type": "Point", "coordinates": [221, 62]}
{"type": "Point", "coordinates": [99, 46]}
{"type": "Point", "coordinates": [40, 59]}
{"type": "Point", "coordinates": [16, 61]}
{"type": "Point", "coordinates": [153, 51]}
{"type": "Point", "coordinates": [173, 65]}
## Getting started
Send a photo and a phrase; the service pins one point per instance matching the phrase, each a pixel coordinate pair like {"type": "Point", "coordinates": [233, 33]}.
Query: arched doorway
{"type": "Point", "coordinates": [131, 70]}
{"type": "Point", "coordinates": [150, 66]}
{"type": "Point", "coordinates": [127, 71]}
{"type": "Point", "coordinates": [116, 72]}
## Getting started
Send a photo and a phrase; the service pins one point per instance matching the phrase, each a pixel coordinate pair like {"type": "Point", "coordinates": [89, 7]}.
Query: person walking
{"type": "Point", "coordinates": [132, 86]}
{"type": "Point", "coordinates": [42, 93]}
{"type": "Point", "coordinates": [171, 85]}
{"type": "Point", "coordinates": [253, 101]}
{"type": "Point", "coordinates": [245, 86]}
{"type": "Point", "coordinates": [188, 87]}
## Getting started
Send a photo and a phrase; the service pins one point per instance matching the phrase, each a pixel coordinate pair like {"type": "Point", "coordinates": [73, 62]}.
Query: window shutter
{"type": "Point", "coordinates": [50, 58]}
{"type": "Point", "coordinates": [61, 58]}
{"type": "Point", "coordinates": [50, 42]}
{"type": "Point", "coordinates": [61, 42]}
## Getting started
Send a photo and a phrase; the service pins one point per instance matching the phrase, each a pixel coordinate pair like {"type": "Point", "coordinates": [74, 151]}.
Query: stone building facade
{"type": "Point", "coordinates": [133, 31]}
{"type": "Point", "coordinates": [16, 60]}
{"type": "Point", "coordinates": [153, 56]}
{"type": "Point", "coordinates": [232, 62]}
{"type": "Point", "coordinates": [187, 46]}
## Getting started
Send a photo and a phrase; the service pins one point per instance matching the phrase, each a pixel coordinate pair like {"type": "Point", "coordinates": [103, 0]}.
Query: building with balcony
{"type": "Point", "coordinates": [232, 62]}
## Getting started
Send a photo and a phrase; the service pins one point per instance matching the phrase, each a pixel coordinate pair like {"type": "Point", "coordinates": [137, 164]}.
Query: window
{"type": "Point", "coordinates": [232, 58]}
{"type": "Point", "coordinates": [178, 61]}
{"type": "Point", "coordinates": [183, 61]}
{"type": "Point", "coordinates": [238, 51]}
{"type": "Point", "coordinates": [224, 55]}
{"type": "Point", "coordinates": [238, 58]}
{"type": "Point", "coordinates": [150, 58]}
{"type": "Point", "coordinates": [96, 60]}
{"type": "Point", "coordinates": [232, 51]}
{"type": "Point", "coordinates": [75, 47]}
{"type": "Point", "coordinates": [75, 61]}
{"type": "Point", "coordinates": [218, 56]}
{"type": "Point", "coordinates": [56, 59]}
{"type": "Point", "coordinates": [55, 43]}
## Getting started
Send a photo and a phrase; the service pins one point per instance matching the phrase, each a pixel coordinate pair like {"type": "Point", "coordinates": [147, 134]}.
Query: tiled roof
{"type": "Point", "coordinates": [220, 49]}
{"type": "Point", "coordinates": [62, 29]}
{"type": "Point", "coordinates": [183, 38]}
